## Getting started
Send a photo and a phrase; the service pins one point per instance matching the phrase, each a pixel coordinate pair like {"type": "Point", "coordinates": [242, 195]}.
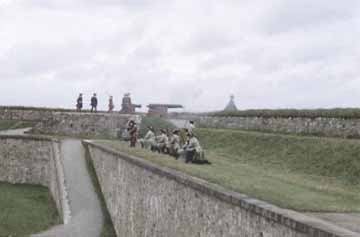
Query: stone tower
{"type": "Point", "coordinates": [231, 105]}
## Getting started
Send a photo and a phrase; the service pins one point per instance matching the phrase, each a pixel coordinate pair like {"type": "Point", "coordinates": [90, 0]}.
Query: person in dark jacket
{"type": "Point", "coordinates": [111, 104]}
{"type": "Point", "coordinates": [79, 103]}
{"type": "Point", "coordinates": [133, 132]}
{"type": "Point", "coordinates": [94, 103]}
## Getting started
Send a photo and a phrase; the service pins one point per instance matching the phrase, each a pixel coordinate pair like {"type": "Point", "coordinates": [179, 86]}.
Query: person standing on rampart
{"type": "Point", "coordinates": [79, 102]}
{"type": "Point", "coordinates": [94, 103]}
{"type": "Point", "coordinates": [111, 104]}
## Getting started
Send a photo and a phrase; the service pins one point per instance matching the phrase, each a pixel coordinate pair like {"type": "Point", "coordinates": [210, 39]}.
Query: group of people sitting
{"type": "Point", "coordinates": [179, 144]}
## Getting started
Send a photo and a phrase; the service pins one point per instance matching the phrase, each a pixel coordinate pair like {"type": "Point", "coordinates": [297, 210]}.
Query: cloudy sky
{"type": "Point", "coordinates": [268, 53]}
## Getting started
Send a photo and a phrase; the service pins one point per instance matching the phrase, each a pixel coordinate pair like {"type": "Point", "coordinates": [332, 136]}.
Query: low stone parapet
{"type": "Point", "coordinates": [35, 160]}
{"type": "Point", "coordinates": [145, 199]}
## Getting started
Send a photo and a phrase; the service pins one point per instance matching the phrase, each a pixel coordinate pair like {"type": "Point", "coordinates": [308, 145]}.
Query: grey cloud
{"type": "Point", "coordinates": [269, 54]}
{"type": "Point", "coordinates": [298, 14]}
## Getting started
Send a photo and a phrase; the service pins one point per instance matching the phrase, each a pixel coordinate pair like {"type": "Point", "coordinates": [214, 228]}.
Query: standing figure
{"type": "Point", "coordinates": [79, 102]}
{"type": "Point", "coordinates": [191, 126]}
{"type": "Point", "coordinates": [132, 130]}
{"type": "Point", "coordinates": [94, 103]}
{"type": "Point", "coordinates": [111, 104]}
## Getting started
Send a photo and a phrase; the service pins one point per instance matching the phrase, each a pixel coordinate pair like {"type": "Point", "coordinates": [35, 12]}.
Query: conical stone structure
{"type": "Point", "coordinates": [231, 105]}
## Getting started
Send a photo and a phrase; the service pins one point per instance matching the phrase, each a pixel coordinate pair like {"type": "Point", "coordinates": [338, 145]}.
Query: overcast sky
{"type": "Point", "coordinates": [268, 53]}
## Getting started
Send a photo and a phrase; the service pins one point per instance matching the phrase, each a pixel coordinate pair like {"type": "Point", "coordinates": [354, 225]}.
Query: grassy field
{"type": "Point", "coordinates": [25, 210]}
{"type": "Point", "coordinates": [156, 123]}
{"type": "Point", "coordinates": [5, 125]}
{"type": "Point", "coordinates": [300, 173]}
{"type": "Point", "coordinates": [345, 113]}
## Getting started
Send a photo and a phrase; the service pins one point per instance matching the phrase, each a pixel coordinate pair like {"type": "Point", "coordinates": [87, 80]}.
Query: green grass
{"type": "Point", "coordinates": [25, 210]}
{"type": "Point", "coordinates": [108, 227]}
{"type": "Point", "coordinates": [346, 113]}
{"type": "Point", "coordinates": [6, 124]}
{"type": "Point", "coordinates": [156, 122]}
{"type": "Point", "coordinates": [300, 173]}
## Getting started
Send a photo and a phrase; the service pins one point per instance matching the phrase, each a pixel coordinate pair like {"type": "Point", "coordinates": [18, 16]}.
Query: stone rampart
{"type": "Point", "coordinates": [69, 123]}
{"type": "Point", "coordinates": [145, 199]}
{"type": "Point", "coordinates": [334, 127]}
{"type": "Point", "coordinates": [35, 160]}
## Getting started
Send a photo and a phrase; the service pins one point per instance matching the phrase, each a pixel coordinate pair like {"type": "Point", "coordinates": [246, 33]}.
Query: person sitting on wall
{"type": "Point", "coordinates": [192, 148]}
{"type": "Point", "coordinates": [94, 103]}
{"type": "Point", "coordinates": [149, 139]}
{"type": "Point", "coordinates": [161, 142]}
{"type": "Point", "coordinates": [132, 130]}
{"type": "Point", "coordinates": [174, 144]}
{"type": "Point", "coordinates": [79, 102]}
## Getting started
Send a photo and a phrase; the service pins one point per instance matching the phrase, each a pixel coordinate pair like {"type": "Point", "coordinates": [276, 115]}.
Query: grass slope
{"type": "Point", "coordinates": [301, 173]}
{"type": "Point", "coordinates": [345, 113]}
{"type": "Point", "coordinates": [25, 210]}
{"type": "Point", "coordinates": [156, 123]}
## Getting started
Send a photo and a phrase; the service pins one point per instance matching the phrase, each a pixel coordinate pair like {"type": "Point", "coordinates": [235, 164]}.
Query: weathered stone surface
{"type": "Point", "coordinates": [71, 123]}
{"type": "Point", "coordinates": [34, 160]}
{"type": "Point", "coordinates": [84, 124]}
{"type": "Point", "coordinates": [147, 200]}
{"type": "Point", "coordinates": [336, 127]}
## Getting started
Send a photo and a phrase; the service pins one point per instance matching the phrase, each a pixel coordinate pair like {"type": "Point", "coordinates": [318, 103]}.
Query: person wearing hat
{"type": "Point", "coordinates": [111, 104]}
{"type": "Point", "coordinates": [162, 141]}
{"type": "Point", "coordinates": [192, 148]}
{"type": "Point", "coordinates": [79, 102]}
{"type": "Point", "coordinates": [132, 130]}
{"type": "Point", "coordinates": [149, 139]}
{"type": "Point", "coordinates": [94, 103]}
{"type": "Point", "coordinates": [174, 143]}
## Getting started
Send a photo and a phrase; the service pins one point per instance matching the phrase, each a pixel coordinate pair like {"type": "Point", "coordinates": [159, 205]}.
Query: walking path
{"type": "Point", "coordinates": [87, 218]}
{"type": "Point", "coordinates": [20, 131]}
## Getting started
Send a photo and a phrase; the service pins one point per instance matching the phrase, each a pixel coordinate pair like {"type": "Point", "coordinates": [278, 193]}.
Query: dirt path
{"type": "Point", "coordinates": [85, 207]}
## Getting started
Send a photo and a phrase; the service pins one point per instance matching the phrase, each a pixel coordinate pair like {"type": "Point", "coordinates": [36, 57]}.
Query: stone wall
{"type": "Point", "coordinates": [147, 200]}
{"type": "Point", "coordinates": [70, 123]}
{"type": "Point", "coordinates": [336, 127]}
{"type": "Point", "coordinates": [34, 160]}
{"type": "Point", "coordinates": [84, 124]}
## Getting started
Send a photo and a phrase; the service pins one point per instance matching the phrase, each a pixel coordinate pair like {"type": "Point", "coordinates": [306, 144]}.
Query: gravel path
{"type": "Point", "coordinates": [20, 131]}
{"type": "Point", "coordinates": [85, 207]}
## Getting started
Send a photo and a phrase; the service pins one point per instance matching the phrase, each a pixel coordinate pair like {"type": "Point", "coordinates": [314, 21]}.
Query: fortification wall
{"type": "Point", "coordinates": [147, 200]}
{"type": "Point", "coordinates": [34, 160]}
{"type": "Point", "coordinates": [69, 123]}
{"type": "Point", "coordinates": [334, 127]}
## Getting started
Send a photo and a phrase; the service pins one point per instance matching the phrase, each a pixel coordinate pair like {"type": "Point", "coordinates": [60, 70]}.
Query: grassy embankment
{"type": "Point", "coordinates": [300, 173]}
{"type": "Point", "coordinates": [26, 209]}
{"type": "Point", "coordinates": [342, 113]}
